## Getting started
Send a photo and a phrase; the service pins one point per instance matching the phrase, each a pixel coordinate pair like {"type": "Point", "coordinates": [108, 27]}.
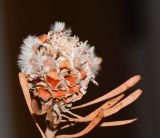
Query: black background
{"type": "Point", "coordinates": [125, 33]}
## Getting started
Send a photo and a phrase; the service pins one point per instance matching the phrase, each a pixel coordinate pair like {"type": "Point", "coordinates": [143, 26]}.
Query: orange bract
{"type": "Point", "coordinates": [43, 38]}
{"type": "Point", "coordinates": [74, 89]}
{"type": "Point", "coordinates": [65, 65]}
{"type": "Point", "coordinates": [44, 94]}
{"type": "Point", "coordinates": [72, 79]}
{"type": "Point", "coordinates": [83, 74]}
{"type": "Point", "coordinates": [59, 94]}
{"type": "Point", "coordinates": [53, 82]}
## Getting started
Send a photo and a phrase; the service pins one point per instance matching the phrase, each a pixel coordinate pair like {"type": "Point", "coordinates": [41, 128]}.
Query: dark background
{"type": "Point", "coordinates": [126, 34]}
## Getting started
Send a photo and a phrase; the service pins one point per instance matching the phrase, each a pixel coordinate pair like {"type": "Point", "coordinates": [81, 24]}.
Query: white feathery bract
{"type": "Point", "coordinates": [58, 26]}
{"type": "Point", "coordinates": [27, 52]}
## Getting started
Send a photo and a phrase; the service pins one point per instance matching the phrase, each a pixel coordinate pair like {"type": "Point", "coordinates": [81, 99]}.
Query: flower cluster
{"type": "Point", "coordinates": [58, 66]}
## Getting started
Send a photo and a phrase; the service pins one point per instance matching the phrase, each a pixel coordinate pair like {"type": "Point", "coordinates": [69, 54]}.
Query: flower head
{"type": "Point", "coordinates": [58, 66]}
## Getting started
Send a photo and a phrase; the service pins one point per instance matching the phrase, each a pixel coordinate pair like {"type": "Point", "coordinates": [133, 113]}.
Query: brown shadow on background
{"type": "Point", "coordinates": [119, 31]}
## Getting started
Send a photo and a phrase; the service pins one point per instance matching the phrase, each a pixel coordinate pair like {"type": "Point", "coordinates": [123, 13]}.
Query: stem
{"type": "Point", "coordinates": [50, 133]}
